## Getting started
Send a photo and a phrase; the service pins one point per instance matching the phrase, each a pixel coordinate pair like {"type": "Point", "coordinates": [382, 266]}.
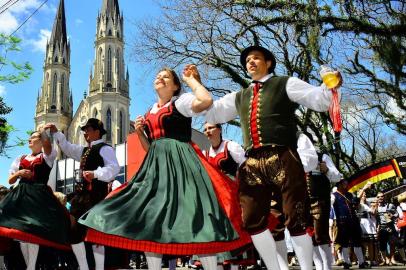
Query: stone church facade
{"type": "Point", "coordinates": [107, 97]}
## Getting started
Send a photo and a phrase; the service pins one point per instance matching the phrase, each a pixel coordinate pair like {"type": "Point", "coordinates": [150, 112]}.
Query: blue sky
{"type": "Point", "coordinates": [81, 27]}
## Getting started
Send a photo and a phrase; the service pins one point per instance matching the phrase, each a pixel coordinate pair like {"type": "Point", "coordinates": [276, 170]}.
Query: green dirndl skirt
{"type": "Point", "coordinates": [31, 213]}
{"type": "Point", "coordinates": [176, 204]}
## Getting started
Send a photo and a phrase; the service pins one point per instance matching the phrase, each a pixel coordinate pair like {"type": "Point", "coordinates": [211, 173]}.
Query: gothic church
{"type": "Point", "coordinates": [108, 92]}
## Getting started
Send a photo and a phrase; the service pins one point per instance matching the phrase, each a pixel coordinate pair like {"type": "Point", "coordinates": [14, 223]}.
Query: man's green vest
{"type": "Point", "coordinates": [275, 116]}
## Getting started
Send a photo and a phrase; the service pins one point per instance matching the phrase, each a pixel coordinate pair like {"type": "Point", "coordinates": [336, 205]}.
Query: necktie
{"type": "Point", "coordinates": [257, 86]}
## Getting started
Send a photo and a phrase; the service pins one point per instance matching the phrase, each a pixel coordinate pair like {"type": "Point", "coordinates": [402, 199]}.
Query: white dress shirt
{"type": "Point", "coordinates": [317, 98]}
{"type": "Point", "coordinates": [307, 153]}
{"type": "Point", "coordinates": [183, 104]}
{"type": "Point", "coordinates": [236, 151]}
{"type": "Point", "coordinates": [106, 173]}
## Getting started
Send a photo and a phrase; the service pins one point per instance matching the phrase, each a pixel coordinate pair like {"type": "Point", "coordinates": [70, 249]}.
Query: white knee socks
{"type": "Point", "coordinates": [98, 252]}
{"type": "Point", "coordinates": [32, 256]}
{"type": "Point", "coordinates": [327, 258]}
{"type": "Point", "coordinates": [24, 251]}
{"type": "Point", "coordinates": [346, 255]}
{"type": "Point", "coordinates": [303, 247]}
{"type": "Point", "coordinates": [359, 254]}
{"type": "Point", "coordinates": [209, 261]}
{"type": "Point", "coordinates": [154, 260]}
{"type": "Point", "coordinates": [282, 254]}
{"type": "Point", "coordinates": [80, 253]}
{"type": "Point", "coordinates": [318, 261]}
{"type": "Point", "coordinates": [265, 245]}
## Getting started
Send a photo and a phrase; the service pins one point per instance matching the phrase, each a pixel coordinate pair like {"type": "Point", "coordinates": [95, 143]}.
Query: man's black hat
{"type": "Point", "coordinates": [96, 124]}
{"type": "Point", "coordinates": [268, 56]}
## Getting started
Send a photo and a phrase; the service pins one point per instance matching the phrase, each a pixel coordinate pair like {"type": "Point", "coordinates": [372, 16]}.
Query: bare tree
{"type": "Point", "coordinates": [302, 35]}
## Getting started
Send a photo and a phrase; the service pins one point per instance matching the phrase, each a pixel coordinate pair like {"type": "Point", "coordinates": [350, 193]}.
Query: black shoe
{"type": "Point", "coordinates": [346, 265]}
{"type": "Point", "coordinates": [364, 265]}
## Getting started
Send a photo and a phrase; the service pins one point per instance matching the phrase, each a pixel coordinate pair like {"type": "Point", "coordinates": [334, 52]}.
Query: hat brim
{"type": "Point", "coordinates": [267, 54]}
{"type": "Point", "coordinates": [102, 131]}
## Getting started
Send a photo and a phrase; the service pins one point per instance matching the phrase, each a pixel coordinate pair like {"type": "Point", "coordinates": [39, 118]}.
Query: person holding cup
{"type": "Point", "coordinates": [267, 114]}
{"type": "Point", "coordinates": [31, 213]}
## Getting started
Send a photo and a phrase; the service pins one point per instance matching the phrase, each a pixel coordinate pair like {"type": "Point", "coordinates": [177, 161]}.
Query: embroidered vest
{"type": "Point", "coordinates": [343, 206]}
{"type": "Point", "coordinates": [275, 115]}
{"type": "Point", "coordinates": [90, 161]}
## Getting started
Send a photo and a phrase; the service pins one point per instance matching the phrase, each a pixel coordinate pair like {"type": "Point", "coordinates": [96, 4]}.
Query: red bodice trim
{"type": "Point", "coordinates": [216, 160]}
{"type": "Point", "coordinates": [31, 164]}
{"type": "Point", "coordinates": [154, 121]}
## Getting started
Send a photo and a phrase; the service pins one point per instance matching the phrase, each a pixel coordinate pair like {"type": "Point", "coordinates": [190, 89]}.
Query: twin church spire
{"type": "Point", "coordinates": [107, 97]}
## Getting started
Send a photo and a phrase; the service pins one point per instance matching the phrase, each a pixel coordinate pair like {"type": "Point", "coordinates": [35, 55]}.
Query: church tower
{"type": "Point", "coordinates": [108, 96]}
{"type": "Point", "coordinates": [54, 101]}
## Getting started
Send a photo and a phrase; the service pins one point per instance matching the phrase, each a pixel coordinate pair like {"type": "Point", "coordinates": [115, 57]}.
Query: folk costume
{"type": "Point", "coordinates": [348, 227]}
{"type": "Point", "coordinates": [320, 205]}
{"type": "Point", "coordinates": [227, 157]}
{"type": "Point", "coordinates": [273, 168]}
{"type": "Point", "coordinates": [100, 158]}
{"type": "Point", "coordinates": [31, 213]}
{"type": "Point", "coordinates": [173, 204]}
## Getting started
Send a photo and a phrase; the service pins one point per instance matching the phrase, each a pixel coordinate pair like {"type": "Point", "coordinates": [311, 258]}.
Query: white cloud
{"type": "Point", "coordinates": [394, 108]}
{"type": "Point", "coordinates": [17, 13]}
{"type": "Point", "coordinates": [2, 90]}
{"type": "Point", "coordinates": [39, 44]}
{"type": "Point", "coordinates": [78, 21]}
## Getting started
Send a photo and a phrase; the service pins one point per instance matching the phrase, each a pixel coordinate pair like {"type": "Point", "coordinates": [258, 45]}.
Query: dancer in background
{"type": "Point", "coordinates": [98, 166]}
{"type": "Point", "coordinates": [319, 180]}
{"type": "Point", "coordinates": [171, 205]}
{"type": "Point", "coordinates": [31, 213]}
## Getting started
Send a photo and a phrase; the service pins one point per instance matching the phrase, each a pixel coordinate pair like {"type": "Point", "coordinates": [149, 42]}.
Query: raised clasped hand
{"type": "Point", "coordinates": [51, 127]}
{"type": "Point", "coordinates": [190, 71]}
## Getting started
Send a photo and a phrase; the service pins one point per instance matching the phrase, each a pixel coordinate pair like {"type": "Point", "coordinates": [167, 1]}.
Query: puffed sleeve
{"type": "Point", "coordinates": [317, 98]}
{"type": "Point", "coordinates": [184, 105]}
{"type": "Point", "coordinates": [222, 110]}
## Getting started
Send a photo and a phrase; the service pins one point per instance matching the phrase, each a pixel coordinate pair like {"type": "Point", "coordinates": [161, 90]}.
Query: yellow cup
{"type": "Point", "coordinates": [328, 76]}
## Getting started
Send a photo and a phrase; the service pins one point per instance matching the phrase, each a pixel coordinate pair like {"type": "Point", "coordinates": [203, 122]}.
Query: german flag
{"type": "Point", "coordinates": [378, 172]}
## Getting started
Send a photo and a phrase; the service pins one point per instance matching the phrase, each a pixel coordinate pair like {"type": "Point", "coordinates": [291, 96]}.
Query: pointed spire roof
{"type": "Point", "coordinates": [59, 28]}
{"type": "Point", "coordinates": [110, 8]}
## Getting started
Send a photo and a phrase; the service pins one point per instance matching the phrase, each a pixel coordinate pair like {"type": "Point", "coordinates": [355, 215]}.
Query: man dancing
{"type": "Point", "coordinates": [98, 166]}
{"type": "Point", "coordinates": [267, 114]}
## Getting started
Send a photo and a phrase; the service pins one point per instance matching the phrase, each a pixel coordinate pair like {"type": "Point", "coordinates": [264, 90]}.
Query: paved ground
{"type": "Point", "coordinates": [334, 267]}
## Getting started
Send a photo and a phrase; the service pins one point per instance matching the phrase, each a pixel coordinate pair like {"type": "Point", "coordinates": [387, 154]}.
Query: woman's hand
{"type": "Point", "coordinates": [139, 125]}
{"type": "Point", "coordinates": [190, 72]}
{"type": "Point", "coordinates": [24, 173]}
{"type": "Point", "coordinates": [51, 127]}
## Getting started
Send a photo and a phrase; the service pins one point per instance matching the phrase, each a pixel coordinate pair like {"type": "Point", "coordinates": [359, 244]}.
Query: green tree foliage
{"type": "Point", "coordinates": [10, 72]}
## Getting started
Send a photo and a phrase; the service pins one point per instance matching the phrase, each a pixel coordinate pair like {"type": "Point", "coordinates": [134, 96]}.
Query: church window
{"type": "Point", "coordinates": [99, 66]}
{"type": "Point", "coordinates": [121, 126]}
{"type": "Point", "coordinates": [62, 89]}
{"type": "Point", "coordinates": [54, 84]}
{"type": "Point", "coordinates": [56, 59]}
{"type": "Point", "coordinates": [109, 32]}
{"type": "Point", "coordinates": [118, 63]}
{"type": "Point", "coordinates": [95, 113]}
{"type": "Point", "coordinates": [108, 125]}
{"type": "Point", "coordinates": [109, 64]}
{"type": "Point", "coordinates": [118, 34]}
